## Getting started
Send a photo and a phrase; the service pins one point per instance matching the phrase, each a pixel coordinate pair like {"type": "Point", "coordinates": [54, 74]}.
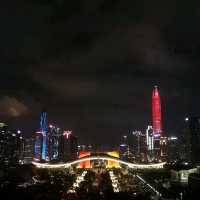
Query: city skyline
{"type": "Point", "coordinates": [124, 131]}
{"type": "Point", "coordinates": [99, 99]}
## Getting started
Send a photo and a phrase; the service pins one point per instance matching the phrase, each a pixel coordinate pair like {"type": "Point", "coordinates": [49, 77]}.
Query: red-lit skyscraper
{"type": "Point", "coordinates": [156, 113]}
{"type": "Point", "coordinates": [158, 138]}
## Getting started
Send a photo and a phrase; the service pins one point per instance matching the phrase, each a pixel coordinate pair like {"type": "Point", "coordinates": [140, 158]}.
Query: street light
{"type": "Point", "coordinates": [181, 196]}
{"type": "Point", "coordinates": [186, 119]}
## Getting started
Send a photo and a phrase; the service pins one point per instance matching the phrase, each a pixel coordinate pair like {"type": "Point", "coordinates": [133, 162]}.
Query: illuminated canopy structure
{"type": "Point", "coordinates": [112, 163]}
{"type": "Point", "coordinates": [108, 158]}
{"type": "Point", "coordinates": [84, 164]}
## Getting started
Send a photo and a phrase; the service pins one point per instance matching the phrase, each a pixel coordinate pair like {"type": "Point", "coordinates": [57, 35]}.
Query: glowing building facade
{"type": "Point", "coordinates": [44, 131]}
{"type": "Point", "coordinates": [11, 146]}
{"type": "Point", "coordinates": [156, 113]}
{"type": "Point", "coordinates": [149, 143]}
{"type": "Point", "coordinates": [113, 164]}
{"type": "Point", "coordinates": [41, 139]}
{"type": "Point", "coordinates": [149, 138]}
{"type": "Point", "coordinates": [38, 146]}
{"type": "Point", "coordinates": [28, 150]}
{"type": "Point", "coordinates": [54, 141]}
{"type": "Point", "coordinates": [69, 149]}
{"type": "Point", "coordinates": [159, 140]}
{"type": "Point", "coordinates": [84, 164]}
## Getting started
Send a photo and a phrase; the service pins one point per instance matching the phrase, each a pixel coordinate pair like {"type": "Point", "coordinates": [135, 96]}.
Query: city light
{"type": "Point", "coordinates": [172, 138]}
{"type": "Point", "coordinates": [156, 112]}
{"type": "Point", "coordinates": [151, 187]}
{"type": "Point", "coordinates": [130, 165]}
{"type": "Point", "coordinates": [67, 134]}
{"type": "Point", "coordinates": [77, 182]}
{"type": "Point", "coordinates": [115, 183]}
{"type": "Point", "coordinates": [50, 126]}
{"type": "Point", "coordinates": [137, 133]}
{"type": "Point", "coordinates": [186, 119]}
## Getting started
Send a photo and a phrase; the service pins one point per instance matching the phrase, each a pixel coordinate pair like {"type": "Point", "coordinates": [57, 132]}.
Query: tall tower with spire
{"type": "Point", "coordinates": [158, 137]}
{"type": "Point", "coordinates": [41, 139]}
{"type": "Point", "coordinates": [156, 113]}
{"type": "Point", "coordinates": [44, 131]}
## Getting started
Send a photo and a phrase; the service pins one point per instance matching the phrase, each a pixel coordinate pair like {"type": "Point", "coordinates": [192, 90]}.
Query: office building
{"type": "Point", "coordinates": [11, 146]}
{"type": "Point", "coordinates": [69, 146]}
{"type": "Point", "coordinates": [54, 145]}
{"type": "Point", "coordinates": [38, 146]}
{"type": "Point", "coordinates": [194, 127]}
{"type": "Point", "coordinates": [173, 145]}
{"type": "Point", "coordinates": [28, 150]}
{"type": "Point", "coordinates": [137, 140]}
{"type": "Point", "coordinates": [160, 141]}
{"type": "Point", "coordinates": [124, 150]}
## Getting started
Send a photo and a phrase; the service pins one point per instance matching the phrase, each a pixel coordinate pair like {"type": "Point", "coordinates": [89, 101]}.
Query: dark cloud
{"type": "Point", "coordinates": [11, 107]}
{"type": "Point", "coordinates": [93, 64]}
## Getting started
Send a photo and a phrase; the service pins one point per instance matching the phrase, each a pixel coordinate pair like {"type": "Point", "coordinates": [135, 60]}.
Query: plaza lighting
{"type": "Point", "coordinates": [130, 165]}
{"type": "Point", "coordinates": [77, 182]}
{"type": "Point", "coordinates": [115, 183]}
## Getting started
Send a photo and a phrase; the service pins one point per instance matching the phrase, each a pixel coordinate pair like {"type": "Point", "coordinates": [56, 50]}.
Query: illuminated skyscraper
{"type": "Point", "coordinates": [11, 146]}
{"type": "Point", "coordinates": [44, 130]}
{"type": "Point", "coordinates": [194, 130]}
{"type": "Point", "coordinates": [139, 145]}
{"type": "Point", "coordinates": [125, 149]}
{"type": "Point", "coordinates": [38, 146]}
{"type": "Point", "coordinates": [41, 137]}
{"type": "Point", "coordinates": [28, 150]}
{"type": "Point", "coordinates": [149, 138]}
{"type": "Point", "coordinates": [69, 146]}
{"type": "Point", "coordinates": [159, 139]}
{"type": "Point", "coordinates": [156, 113]}
{"type": "Point", "coordinates": [54, 141]}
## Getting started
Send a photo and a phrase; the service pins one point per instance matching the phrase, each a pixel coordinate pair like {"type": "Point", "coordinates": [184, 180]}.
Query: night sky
{"type": "Point", "coordinates": [93, 64]}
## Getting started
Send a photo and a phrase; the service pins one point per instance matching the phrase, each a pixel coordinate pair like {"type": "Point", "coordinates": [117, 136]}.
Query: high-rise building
{"type": "Point", "coordinates": [3, 134]}
{"type": "Point", "coordinates": [173, 149]}
{"type": "Point", "coordinates": [156, 113]}
{"type": "Point", "coordinates": [124, 150]}
{"type": "Point", "coordinates": [149, 138]}
{"type": "Point", "coordinates": [194, 126]}
{"type": "Point", "coordinates": [54, 143]}
{"type": "Point", "coordinates": [185, 143]}
{"type": "Point", "coordinates": [11, 146]}
{"type": "Point", "coordinates": [38, 146]}
{"type": "Point", "coordinates": [160, 141]}
{"type": "Point", "coordinates": [44, 131]}
{"type": "Point", "coordinates": [41, 139]}
{"type": "Point", "coordinates": [20, 145]}
{"type": "Point", "coordinates": [69, 146]}
{"type": "Point", "coordinates": [150, 143]}
{"type": "Point", "coordinates": [28, 150]}
{"type": "Point", "coordinates": [139, 145]}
